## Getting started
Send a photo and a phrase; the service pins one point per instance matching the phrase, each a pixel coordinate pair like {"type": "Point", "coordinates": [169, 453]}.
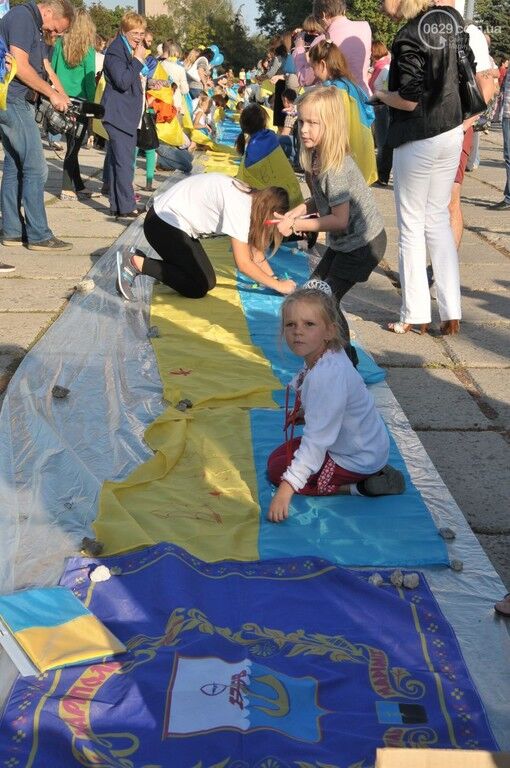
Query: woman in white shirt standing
{"type": "Point", "coordinates": [201, 206]}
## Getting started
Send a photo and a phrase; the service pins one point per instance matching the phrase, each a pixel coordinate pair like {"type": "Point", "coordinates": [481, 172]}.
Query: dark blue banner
{"type": "Point", "coordinates": [277, 664]}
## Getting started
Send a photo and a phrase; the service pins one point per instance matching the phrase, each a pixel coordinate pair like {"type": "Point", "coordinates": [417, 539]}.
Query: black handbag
{"type": "Point", "coordinates": [146, 135]}
{"type": "Point", "coordinates": [471, 98]}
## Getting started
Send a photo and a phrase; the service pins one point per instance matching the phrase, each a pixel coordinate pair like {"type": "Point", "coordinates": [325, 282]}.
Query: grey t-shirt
{"type": "Point", "coordinates": [22, 27]}
{"type": "Point", "coordinates": [339, 186]}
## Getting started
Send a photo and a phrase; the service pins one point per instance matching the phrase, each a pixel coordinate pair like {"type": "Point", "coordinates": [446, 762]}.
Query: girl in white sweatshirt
{"type": "Point", "coordinates": [345, 444]}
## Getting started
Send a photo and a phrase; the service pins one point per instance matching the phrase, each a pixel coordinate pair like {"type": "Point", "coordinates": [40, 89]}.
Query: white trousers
{"type": "Point", "coordinates": [423, 175]}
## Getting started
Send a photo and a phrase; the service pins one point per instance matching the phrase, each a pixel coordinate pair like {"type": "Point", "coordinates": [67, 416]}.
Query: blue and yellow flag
{"type": "Point", "coordinates": [55, 629]}
{"type": "Point", "coordinates": [359, 115]}
{"type": "Point", "coordinates": [265, 164]}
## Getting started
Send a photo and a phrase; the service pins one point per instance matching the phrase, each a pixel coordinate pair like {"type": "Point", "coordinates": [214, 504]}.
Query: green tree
{"type": "Point", "coordinates": [277, 16]}
{"type": "Point", "coordinates": [494, 18]}
{"type": "Point", "coordinates": [280, 15]}
{"type": "Point", "coordinates": [107, 20]}
{"type": "Point", "coordinates": [199, 23]}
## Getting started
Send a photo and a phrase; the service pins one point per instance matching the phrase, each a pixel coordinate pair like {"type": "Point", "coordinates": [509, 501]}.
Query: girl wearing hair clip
{"type": "Point", "coordinates": [345, 444]}
{"type": "Point", "coordinates": [344, 204]}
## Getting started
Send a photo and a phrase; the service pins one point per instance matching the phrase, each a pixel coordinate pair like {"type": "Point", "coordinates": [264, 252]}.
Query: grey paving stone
{"type": "Point", "coordinates": [496, 280]}
{"type": "Point", "coordinates": [477, 251]}
{"type": "Point", "coordinates": [406, 350]}
{"type": "Point", "coordinates": [497, 549]}
{"type": "Point", "coordinates": [480, 306]}
{"type": "Point", "coordinates": [68, 264]}
{"type": "Point", "coordinates": [29, 295]}
{"type": "Point", "coordinates": [481, 346]}
{"type": "Point", "coordinates": [495, 386]}
{"type": "Point", "coordinates": [476, 468]}
{"type": "Point", "coordinates": [432, 397]}
{"type": "Point", "coordinates": [19, 330]}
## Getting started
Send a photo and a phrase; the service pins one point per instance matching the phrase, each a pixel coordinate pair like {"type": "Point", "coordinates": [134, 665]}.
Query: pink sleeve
{"type": "Point", "coordinates": [304, 71]}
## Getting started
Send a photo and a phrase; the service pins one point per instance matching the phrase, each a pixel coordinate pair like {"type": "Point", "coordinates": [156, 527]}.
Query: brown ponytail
{"type": "Point", "coordinates": [265, 203]}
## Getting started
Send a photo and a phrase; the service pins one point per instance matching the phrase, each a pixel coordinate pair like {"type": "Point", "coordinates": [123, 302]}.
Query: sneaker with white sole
{"type": "Point", "coordinates": [13, 242]}
{"type": "Point", "coordinates": [51, 244]}
{"type": "Point", "coordinates": [6, 268]}
{"type": "Point", "coordinates": [126, 274]}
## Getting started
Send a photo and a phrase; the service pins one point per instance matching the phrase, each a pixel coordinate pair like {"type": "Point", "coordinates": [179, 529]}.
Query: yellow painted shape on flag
{"type": "Point", "coordinates": [204, 351]}
{"type": "Point", "coordinates": [73, 642]}
{"type": "Point", "coordinates": [272, 171]}
{"type": "Point", "coordinates": [199, 491]}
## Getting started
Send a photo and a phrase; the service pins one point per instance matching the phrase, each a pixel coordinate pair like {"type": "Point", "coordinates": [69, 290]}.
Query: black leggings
{"type": "Point", "coordinates": [71, 178]}
{"type": "Point", "coordinates": [185, 266]}
{"type": "Point", "coordinates": [332, 266]}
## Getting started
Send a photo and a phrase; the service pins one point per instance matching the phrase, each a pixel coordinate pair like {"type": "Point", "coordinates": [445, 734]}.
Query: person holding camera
{"type": "Point", "coordinates": [25, 171]}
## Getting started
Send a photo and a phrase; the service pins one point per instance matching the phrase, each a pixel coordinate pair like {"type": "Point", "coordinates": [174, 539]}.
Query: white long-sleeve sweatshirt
{"type": "Point", "coordinates": [340, 419]}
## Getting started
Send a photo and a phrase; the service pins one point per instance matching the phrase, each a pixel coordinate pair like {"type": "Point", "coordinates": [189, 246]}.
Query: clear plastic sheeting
{"type": "Point", "coordinates": [55, 455]}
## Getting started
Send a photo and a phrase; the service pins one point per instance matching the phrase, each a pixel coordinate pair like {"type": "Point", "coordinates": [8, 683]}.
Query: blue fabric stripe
{"type": "Point", "coordinates": [394, 530]}
{"type": "Point", "coordinates": [348, 530]}
{"type": "Point", "coordinates": [262, 310]}
{"type": "Point", "coordinates": [42, 607]}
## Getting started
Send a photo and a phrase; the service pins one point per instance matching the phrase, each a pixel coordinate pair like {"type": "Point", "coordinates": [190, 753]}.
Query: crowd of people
{"type": "Point", "coordinates": [314, 104]}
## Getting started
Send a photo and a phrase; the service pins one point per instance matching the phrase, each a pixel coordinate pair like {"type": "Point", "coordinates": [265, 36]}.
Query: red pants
{"type": "Point", "coordinates": [328, 480]}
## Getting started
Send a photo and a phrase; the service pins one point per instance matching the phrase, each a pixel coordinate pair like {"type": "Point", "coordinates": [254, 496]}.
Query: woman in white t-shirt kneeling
{"type": "Point", "coordinates": [202, 206]}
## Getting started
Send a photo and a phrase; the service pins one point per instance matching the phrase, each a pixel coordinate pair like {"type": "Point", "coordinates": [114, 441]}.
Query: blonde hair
{"type": "Point", "coordinates": [79, 38]}
{"type": "Point", "coordinates": [265, 202]}
{"type": "Point", "coordinates": [408, 9]}
{"type": "Point", "coordinates": [326, 306]}
{"type": "Point", "coordinates": [132, 20]}
{"type": "Point", "coordinates": [327, 103]}
{"type": "Point", "coordinates": [204, 101]}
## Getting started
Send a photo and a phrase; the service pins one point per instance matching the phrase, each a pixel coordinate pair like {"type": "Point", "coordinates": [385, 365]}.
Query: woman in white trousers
{"type": "Point", "coordinates": [423, 175]}
{"type": "Point", "coordinates": [426, 135]}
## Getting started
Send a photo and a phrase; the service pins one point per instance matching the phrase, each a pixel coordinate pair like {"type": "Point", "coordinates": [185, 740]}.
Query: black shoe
{"type": "Point", "coordinates": [6, 268]}
{"type": "Point", "coordinates": [52, 244]}
{"type": "Point", "coordinates": [501, 206]}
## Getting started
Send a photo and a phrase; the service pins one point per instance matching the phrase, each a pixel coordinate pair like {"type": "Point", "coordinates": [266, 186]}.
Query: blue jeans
{"type": "Point", "coordinates": [173, 158]}
{"type": "Point", "coordinates": [24, 176]}
{"type": "Point", "coordinates": [506, 154]}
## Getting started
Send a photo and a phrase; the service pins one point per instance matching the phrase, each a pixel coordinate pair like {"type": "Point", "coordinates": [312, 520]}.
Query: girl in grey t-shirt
{"type": "Point", "coordinates": [341, 198]}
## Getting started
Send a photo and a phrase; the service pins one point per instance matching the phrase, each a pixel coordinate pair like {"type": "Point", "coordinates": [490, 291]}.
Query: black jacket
{"type": "Point", "coordinates": [424, 69]}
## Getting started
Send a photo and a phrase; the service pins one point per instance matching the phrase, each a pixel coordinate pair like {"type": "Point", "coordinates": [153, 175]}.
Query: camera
{"type": "Point", "coordinates": [66, 122]}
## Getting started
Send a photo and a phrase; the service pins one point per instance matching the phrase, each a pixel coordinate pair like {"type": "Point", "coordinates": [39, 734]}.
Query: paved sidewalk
{"type": "Point", "coordinates": [454, 390]}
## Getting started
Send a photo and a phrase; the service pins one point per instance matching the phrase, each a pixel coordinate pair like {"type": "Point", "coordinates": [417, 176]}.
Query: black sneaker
{"type": "Point", "coordinates": [52, 244]}
{"type": "Point", "coordinates": [126, 274]}
{"type": "Point", "coordinates": [6, 268]}
{"type": "Point", "coordinates": [503, 205]}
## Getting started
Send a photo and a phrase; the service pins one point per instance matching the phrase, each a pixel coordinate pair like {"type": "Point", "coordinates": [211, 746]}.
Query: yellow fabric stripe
{"type": "Point", "coordinates": [75, 641]}
{"type": "Point", "coordinates": [204, 351]}
{"type": "Point", "coordinates": [199, 491]}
